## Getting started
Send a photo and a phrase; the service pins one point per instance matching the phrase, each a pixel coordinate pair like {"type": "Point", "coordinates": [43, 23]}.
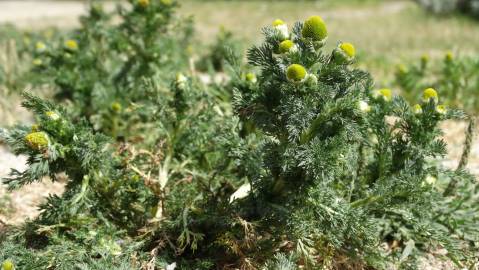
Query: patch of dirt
{"type": "Point", "coordinates": [22, 204]}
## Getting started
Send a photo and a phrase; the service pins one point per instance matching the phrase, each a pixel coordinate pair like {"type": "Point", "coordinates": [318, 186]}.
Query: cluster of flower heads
{"type": "Point", "coordinates": [39, 140]}
{"type": "Point", "coordinates": [69, 46]}
{"type": "Point", "coordinates": [314, 31]}
{"type": "Point", "coordinates": [429, 95]}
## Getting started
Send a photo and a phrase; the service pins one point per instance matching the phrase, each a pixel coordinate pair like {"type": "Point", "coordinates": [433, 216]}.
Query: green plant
{"type": "Point", "coordinates": [455, 78]}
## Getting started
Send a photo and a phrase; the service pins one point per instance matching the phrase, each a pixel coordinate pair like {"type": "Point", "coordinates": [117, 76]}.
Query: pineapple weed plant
{"type": "Point", "coordinates": [455, 76]}
{"type": "Point", "coordinates": [308, 166]}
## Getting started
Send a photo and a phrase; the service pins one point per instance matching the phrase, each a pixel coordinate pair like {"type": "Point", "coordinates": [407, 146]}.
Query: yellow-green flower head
{"type": "Point", "coordinates": [417, 109]}
{"type": "Point", "coordinates": [385, 93]}
{"type": "Point", "coordinates": [286, 46]}
{"type": "Point", "coordinates": [441, 109]}
{"type": "Point", "coordinates": [348, 49]}
{"type": "Point", "coordinates": [250, 77]}
{"type": "Point", "coordinates": [314, 28]}
{"type": "Point", "coordinates": [143, 3]}
{"type": "Point", "coordinates": [402, 69]}
{"type": "Point", "coordinates": [281, 29]}
{"type": "Point", "coordinates": [37, 140]}
{"type": "Point", "coordinates": [166, 2]}
{"type": "Point", "coordinates": [449, 56]}
{"type": "Point", "coordinates": [37, 62]}
{"type": "Point", "coordinates": [8, 265]}
{"type": "Point", "coordinates": [40, 47]}
{"type": "Point", "coordinates": [52, 115]}
{"type": "Point", "coordinates": [71, 45]}
{"type": "Point", "coordinates": [296, 73]}
{"type": "Point", "coordinates": [364, 106]}
{"type": "Point", "coordinates": [116, 107]}
{"type": "Point", "coordinates": [429, 94]}
{"type": "Point", "coordinates": [181, 80]}
{"type": "Point", "coordinates": [278, 22]}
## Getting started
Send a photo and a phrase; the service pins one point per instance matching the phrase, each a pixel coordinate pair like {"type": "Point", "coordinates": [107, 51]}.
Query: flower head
{"type": "Point", "coordinates": [116, 107]}
{"type": "Point", "coordinates": [250, 77]}
{"type": "Point", "coordinates": [281, 29]}
{"type": "Point", "coordinates": [52, 115]}
{"type": "Point", "coordinates": [314, 28]}
{"type": "Point", "coordinates": [429, 94]}
{"type": "Point", "coordinates": [441, 109]}
{"type": "Point", "coordinates": [71, 45]}
{"type": "Point", "coordinates": [344, 53]}
{"type": "Point", "coordinates": [348, 48]}
{"type": "Point", "coordinates": [166, 2]}
{"type": "Point", "coordinates": [417, 109]}
{"type": "Point", "coordinates": [402, 69]}
{"type": "Point", "coordinates": [37, 140]}
{"type": "Point", "coordinates": [425, 58]}
{"type": "Point", "coordinates": [286, 46]}
{"type": "Point", "coordinates": [364, 106]}
{"type": "Point", "coordinates": [181, 80]}
{"type": "Point", "coordinates": [296, 73]}
{"type": "Point", "coordinates": [449, 56]}
{"type": "Point", "coordinates": [384, 93]}
{"type": "Point", "coordinates": [37, 62]}
{"type": "Point", "coordinates": [311, 79]}
{"type": "Point", "coordinates": [143, 3]}
{"type": "Point", "coordinates": [40, 46]}
{"type": "Point", "coordinates": [8, 265]}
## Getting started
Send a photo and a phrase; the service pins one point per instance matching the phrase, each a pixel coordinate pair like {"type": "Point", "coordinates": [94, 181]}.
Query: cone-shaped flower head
{"type": "Point", "coordinates": [385, 93]}
{"type": "Point", "coordinates": [449, 56]}
{"type": "Point", "coordinates": [429, 94]}
{"type": "Point", "coordinates": [441, 109]}
{"type": "Point", "coordinates": [314, 28]}
{"type": "Point", "coordinates": [37, 140]}
{"type": "Point", "coordinates": [296, 73]}
{"type": "Point", "coordinates": [250, 77]}
{"type": "Point", "coordinates": [116, 107]}
{"type": "Point", "coordinates": [71, 45]}
{"type": "Point", "coordinates": [344, 53]}
{"type": "Point", "coordinates": [417, 109]}
{"type": "Point", "coordinates": [40, 47]}
{"type": "Point", "coordinates": [286, 46]}
{"type": "Point", "coordinates": [281, 29]}
{"type": "Point", "coordinates": [424, 59]}
{"type": "Point", "coordinates": [8, 265]}
{"type": "Point", "coordinates": [37, 62]}
{"type": "Point", "coordinates": [143, 3]}
{"type": "Point", "coordinates": [52, 115]}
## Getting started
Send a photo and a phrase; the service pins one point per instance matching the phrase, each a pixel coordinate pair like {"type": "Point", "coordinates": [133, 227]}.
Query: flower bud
{"type": "Point", "coordinates": [449, 57]}
{"type": "Point", "coordinates": [417, 109]}
{"type": "Point", "coordinates": [385, 94]}
{"type": "Point", "coordinates": [71, 45]}
{"type": "Point", "coordinates": [429, 94]}
{"type": "Point", "coordinates": [181, 80]}
{"type": "Point", "coordinates": [250, 77]}
{"type": "Point", "coordinates": [166, 2]}
{"type": "Point", "coordinates": [37, 62]}
{"type": "Point", "coordinates": [311, 79]}
{"type": "Point", "coordinates": [296, 73]}
{"type": "Point", "coordinates": [441, 109]}
{"type": "Point", "coordinates": [40, 47]}
{"type": "Point", "coordinates": [344, 53]}
{"type": "Point", "coordinates": [287, 46]}
{"type": "Point", "coordinates": [143, 3]}
{"type": "Point", "coordinates": [116, 107]}
{"type": "Point", "coordinates": [281, 29]}
{"type": "Point", "coordinates": [52, 115]}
